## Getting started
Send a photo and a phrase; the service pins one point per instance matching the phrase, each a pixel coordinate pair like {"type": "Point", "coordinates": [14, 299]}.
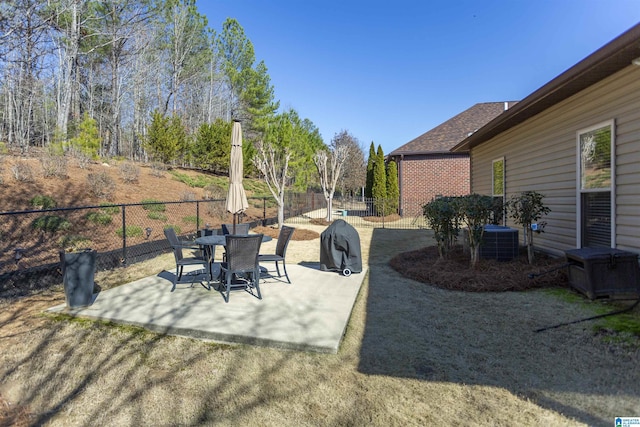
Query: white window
{"type": "Point", "coordinates": [596, 186]}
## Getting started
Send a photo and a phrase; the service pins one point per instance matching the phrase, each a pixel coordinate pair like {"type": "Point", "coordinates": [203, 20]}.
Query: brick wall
{"type": "Point", "coordinates": [423, 177]}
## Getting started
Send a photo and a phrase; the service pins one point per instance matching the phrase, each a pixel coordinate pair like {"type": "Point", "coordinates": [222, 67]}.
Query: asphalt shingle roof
{"type": "Point", "coordinates": [448, 134]}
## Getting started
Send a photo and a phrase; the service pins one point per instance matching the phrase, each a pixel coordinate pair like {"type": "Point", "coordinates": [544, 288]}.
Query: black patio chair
{"type": "Point", "coordinates": [241, 269]}
{"type": "Point", "coordinates": [281, 250]}
{"type": "Point", "coordinates": [177, 246]}
{"type": "Point", "coordinates": [241, 229]}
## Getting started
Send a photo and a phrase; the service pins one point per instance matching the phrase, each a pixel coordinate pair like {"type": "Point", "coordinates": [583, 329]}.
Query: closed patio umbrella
{"type": "Point", "coordinates": [236, 198]}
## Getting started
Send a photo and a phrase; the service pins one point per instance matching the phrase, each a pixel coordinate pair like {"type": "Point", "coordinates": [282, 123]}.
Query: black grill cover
{"type": "Point", "coordinates": [340, 248]}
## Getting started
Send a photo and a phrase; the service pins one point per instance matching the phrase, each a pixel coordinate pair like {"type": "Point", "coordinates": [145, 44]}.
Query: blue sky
{"type": "Point", "coordinates": [388, 71]}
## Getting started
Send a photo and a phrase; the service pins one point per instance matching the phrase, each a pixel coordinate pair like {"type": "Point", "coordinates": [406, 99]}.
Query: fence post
{"type": "Point", "coordinates": [384, 211]}
{"type": "Point", "coordinates": [264, 211]}
{"type": "Point", "coordinates": [124, 236]}
{"type": "Point", "coordinates": [197, 216]}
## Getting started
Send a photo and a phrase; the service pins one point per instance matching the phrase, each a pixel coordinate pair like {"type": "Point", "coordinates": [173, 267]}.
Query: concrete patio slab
{"type": "Point", "coordinates": [310, 314]}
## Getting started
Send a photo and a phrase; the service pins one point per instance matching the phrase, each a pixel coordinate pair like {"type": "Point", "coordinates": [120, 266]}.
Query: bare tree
{"type": "Point", "coordinates": [329, 164]}
{"type": "Point", "coordinates": [273, 162]}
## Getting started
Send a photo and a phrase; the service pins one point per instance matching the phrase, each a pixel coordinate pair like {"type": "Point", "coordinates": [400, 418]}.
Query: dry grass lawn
{"type": "Point", "coordinates": [413, 354]}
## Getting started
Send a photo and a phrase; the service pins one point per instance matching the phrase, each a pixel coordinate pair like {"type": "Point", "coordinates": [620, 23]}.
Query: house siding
{"type": "Point", "coordinates": [423, 177]}
{"type": "Point", "coordinates": [540, 155]}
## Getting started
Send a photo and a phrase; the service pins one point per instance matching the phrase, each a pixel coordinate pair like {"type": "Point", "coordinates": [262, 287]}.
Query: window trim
{"type": "Point", "coordinates": [612, 188]}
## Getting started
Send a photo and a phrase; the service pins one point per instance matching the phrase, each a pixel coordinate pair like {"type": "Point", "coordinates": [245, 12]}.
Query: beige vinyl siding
{"type": "Point", "coordinates": [540, 155]}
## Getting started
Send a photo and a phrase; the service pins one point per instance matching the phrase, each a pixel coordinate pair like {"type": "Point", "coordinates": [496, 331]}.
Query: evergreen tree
{"type": "Point", "coordinates": [379, 188]}
{"type": "Point", "coordinates": [212, 148]}
{"type": "Point", "coordinates": [166, 137]}
{"type": "Point", "coordinates": [368, 186]}
{"type": "Point", "coordinates": [393, 191]}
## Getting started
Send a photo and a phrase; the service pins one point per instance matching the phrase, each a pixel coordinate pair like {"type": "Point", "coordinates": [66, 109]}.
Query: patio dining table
{"type": "Point", "coordinates": [209, 244]}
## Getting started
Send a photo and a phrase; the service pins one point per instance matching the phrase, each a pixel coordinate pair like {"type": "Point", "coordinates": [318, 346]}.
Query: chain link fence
{"type": "Point", "coordinates": [124, 234]}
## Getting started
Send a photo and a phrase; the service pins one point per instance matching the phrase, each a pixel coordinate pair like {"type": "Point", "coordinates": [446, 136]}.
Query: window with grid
{"type": "Point", "coordinates": [595, 185]}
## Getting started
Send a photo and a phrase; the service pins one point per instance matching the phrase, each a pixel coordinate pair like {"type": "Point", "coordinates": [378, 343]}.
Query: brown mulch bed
{"type": "Point", "coordinates": [455, 273]}
{"type": "Point", "coordinates": [299, 234]}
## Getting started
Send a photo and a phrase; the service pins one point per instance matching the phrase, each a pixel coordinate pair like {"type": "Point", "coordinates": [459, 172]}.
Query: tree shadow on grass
{"type": "Point", "coordinates": [418, 331]}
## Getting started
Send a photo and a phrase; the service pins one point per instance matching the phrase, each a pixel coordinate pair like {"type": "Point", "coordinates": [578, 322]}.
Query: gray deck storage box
{"type": "Point", "coordinates": [603, 272]}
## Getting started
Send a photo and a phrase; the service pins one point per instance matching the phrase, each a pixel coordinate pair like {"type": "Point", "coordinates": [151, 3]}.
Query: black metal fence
{"type": "Point", "coordinates": [123, 234]}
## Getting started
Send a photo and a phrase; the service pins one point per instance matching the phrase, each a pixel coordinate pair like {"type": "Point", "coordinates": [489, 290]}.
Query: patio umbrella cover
{"type": "Point", "coordinates": [236, 198]}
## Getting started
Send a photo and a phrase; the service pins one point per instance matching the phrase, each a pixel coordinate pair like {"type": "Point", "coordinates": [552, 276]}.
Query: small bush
{"type": "Point", "coordinates": [153, 205]}
{"type": "Point", "coordinates": [130, 231]}
{"type": "Point", "coordinates": [188, 196]}
{"type": "Point", "coordinates": [74, 242]}
{"type": "Point", "coordinates": [82, 159]}
{"type": "Point", "coordinates": [214, 192]}
{"type": "Point", "coordinates": [101, 185]}
{"type": "Point", "coordinates": [100, 218]}
{"type": "Point", "coordinates": [192, 219]}
{"type": "Point", "coordinates": [42, 202]}
{"type": "Point", "coordinates": [157, 215]}
{"type": "Point", "coordinates": [158, 169]}
{"type": "Point", "coordinates": [216, 209]}
{"type": "Point", "coordinates": [54, 166]}
{"type": "Point", "coordinates": [176, 228]}
{"type": "Point", "coordinates": [22, 172]}
{"type": "Point", "coordinates": [109, 209]}
{"type": "Point", "coordinates": [50, 224]}
{"type": "Point", "coordinates": [129, 172]}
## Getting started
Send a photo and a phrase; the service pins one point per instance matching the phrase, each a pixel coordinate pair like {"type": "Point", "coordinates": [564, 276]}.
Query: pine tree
{"type": "Point", "coordinates": [393, 191]}
{"type": "Point", "coordinates": [379, 189]}
{"type": "Point", "coordinates": [368, 186]}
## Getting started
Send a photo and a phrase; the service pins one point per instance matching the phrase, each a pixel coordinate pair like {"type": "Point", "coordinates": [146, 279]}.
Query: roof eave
{"type": "Point", "coordinates": [604, 62]}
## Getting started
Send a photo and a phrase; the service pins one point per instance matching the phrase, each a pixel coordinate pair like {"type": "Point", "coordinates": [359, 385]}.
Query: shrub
{"type": "Point", "coordinates": [74, 242]}
{"type": "Point", "coordinates": [216, 209]}
{"type": "Point", "coordinates": [50, 224]}
{"type": "Point", "coordinates": [443, 216]}
{"type": "Point", "coordinates": [109, 209]}
{"type": "Point", "coordinates": [158, 169]}
{"type": "Point", "coordinates": [176, 228]}
{"type": "Point", "coordinates": [82, 159]}
{"type": "Point", "coordinates": [54, 166]}
{"type": "Point", "coordinates": [22, 172]}
{"type": "Point", "coordinates": [475, 212]}
{"type": "Point", "coordinates": [101, 185]}
{"type": "Point", "coordinates": [129, 172]}
{"type": "Point", "coordinates": [42, 202]}
{"type": "Point", "coordinates": [192, 219]}
{"type": "Point", "coordinates": [153, 205]}
{"type": "Point", "coordinates": [188, 196]}
{"type": "Point", "coordinates": [130, 231]}
{"type": "Point", "coordinates": [157, 215]}
{"type": "Point", "coordinates": [99, 217]}
{"type": "Point", "coordinates": [214, 192]}
{"type": "Point", "coordinates": [525, 209]}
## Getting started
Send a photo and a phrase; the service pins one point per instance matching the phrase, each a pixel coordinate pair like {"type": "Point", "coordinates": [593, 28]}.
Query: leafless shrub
{"type": "Point", "coordinates": [158, 169]}
{"type": "Point", "coordinates": [214, 192]}
{"type": "Point", "coordinates": [82, 159]}
{"type": "Point", "coordinates": [101, 185]}
{"type": "Point", "coordinates": [129, 172]}
{"type": "Point", "coordinates": [22, 172]}
{"type": "Point", "coordinates": [215, 208]}
{"type": "Point", "coordinates": [54, 166]}
{"type": "Point", "coordinates": [188, 196]}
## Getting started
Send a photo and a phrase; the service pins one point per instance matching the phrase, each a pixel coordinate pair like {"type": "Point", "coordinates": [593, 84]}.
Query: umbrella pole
{"type": "Point", "coordinates": [235, 220]}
